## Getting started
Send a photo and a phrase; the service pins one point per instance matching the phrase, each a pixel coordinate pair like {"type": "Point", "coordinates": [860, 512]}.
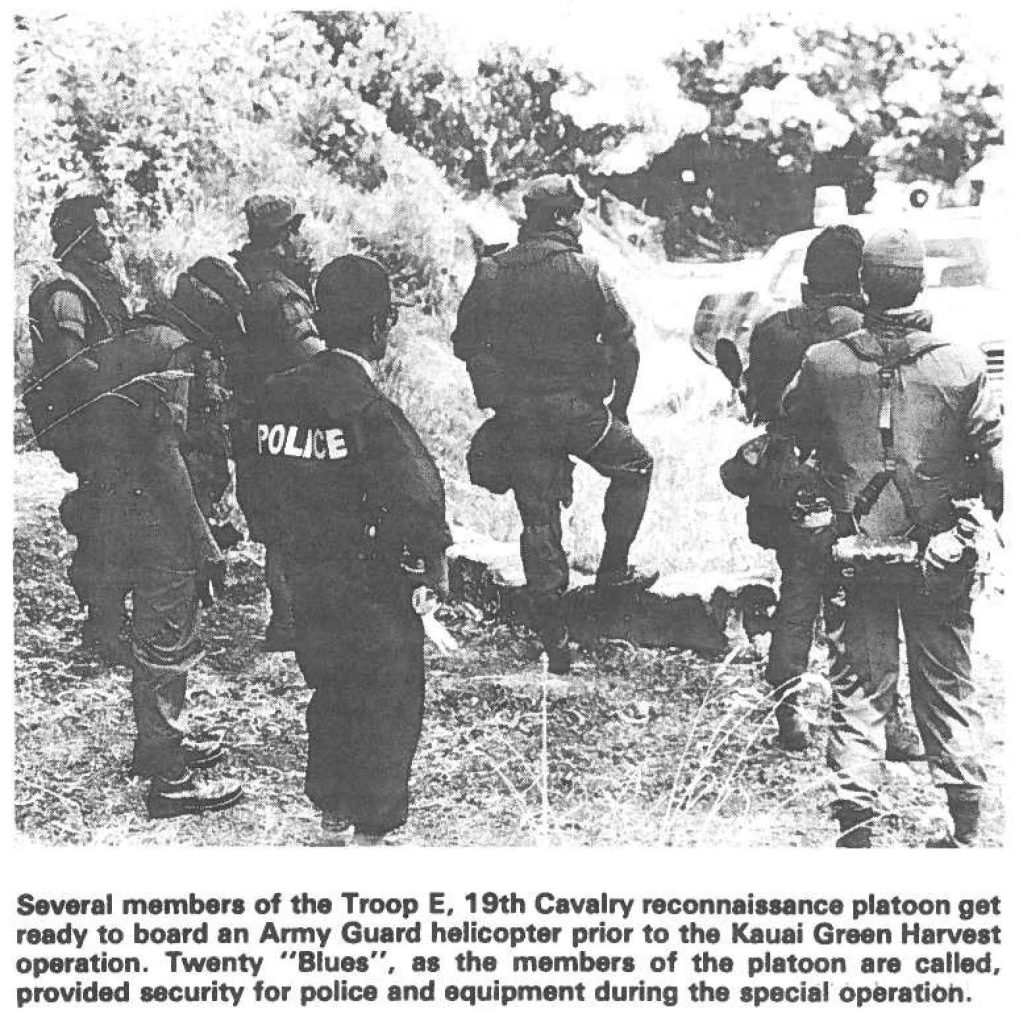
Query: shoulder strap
{"type": "Point", "coordinates": [887, 366]}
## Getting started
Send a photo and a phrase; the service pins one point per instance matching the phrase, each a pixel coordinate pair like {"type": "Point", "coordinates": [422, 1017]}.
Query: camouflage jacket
{"type": "Point", "coordinates": [940, 414]}
{"type": "Point", "coordinates": [541, 318]}
{"type": "Point", "coordinates": [279, 323]}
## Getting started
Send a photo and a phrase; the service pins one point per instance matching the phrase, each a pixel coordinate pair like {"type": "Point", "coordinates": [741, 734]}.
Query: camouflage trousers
{"type": "Point", "coordinates": [546, 430]}
{"type": "Point", "coordinates": [864, 643]}
{"type": "Point", "coordinates": [139, 550]}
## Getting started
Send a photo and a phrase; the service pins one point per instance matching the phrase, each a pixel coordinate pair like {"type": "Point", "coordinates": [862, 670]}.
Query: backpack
{"type": "Point", "coordinates": [887, 366]}
{"type": "Point", "coordinates": [48, 402]}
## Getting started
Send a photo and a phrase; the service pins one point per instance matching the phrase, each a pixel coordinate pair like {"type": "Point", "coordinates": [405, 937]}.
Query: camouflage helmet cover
{"type": "Point", "coordinates": [898, 248]}
{"type": "Point", "coordinates": [268, 214]}
{"type": "Point", "coordinates": [555, 192]}
{"type": "Point", "coordinates": [213, 275]}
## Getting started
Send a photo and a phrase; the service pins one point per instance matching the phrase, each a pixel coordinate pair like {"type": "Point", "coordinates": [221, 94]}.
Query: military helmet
{"type": "Point", "coordinates": [220, 277]}
{"type": "Point", "coordinates": [269, 214]}
{"type": "Point", "coordinates": [554, 192]}
{"type": "Point", "coordinates": [353, 285]}
{"type": "Point", "coordinates": [215, 284]}
{"type": "Point", "coordinates": [898, 248]}
{"type": "Point", "coordinates": [73, 215]}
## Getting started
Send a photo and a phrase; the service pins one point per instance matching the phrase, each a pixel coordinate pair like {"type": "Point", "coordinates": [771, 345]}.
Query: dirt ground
{"type": "Point", "coordinates": [638, 747]}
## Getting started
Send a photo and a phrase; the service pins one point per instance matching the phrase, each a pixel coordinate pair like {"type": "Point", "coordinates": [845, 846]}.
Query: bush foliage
{"type": "Point", "coordinates": [381, 128]}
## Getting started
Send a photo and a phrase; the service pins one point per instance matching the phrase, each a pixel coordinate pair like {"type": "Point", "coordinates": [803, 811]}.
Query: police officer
{"type": "Point", "coordinates": [155, 542]}
{"type": "Point", "coordinates": [352, 498]}
{"type": "Point", "coordinates": [895, 415]}
{"type": "Point", "coordinates": [551, 349]}
{"type": "Point", "coordinates": [75, 309]}
{"type": "Point", "coordinates": [281, 334]}
{"type": "Point", "coordinates": [832, 307]}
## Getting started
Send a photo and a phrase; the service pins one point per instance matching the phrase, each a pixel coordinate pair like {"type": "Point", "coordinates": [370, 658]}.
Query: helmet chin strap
{"type": "Point", "coordinates": [77, 240]}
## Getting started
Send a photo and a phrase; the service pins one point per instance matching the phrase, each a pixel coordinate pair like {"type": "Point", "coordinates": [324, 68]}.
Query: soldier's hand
{"type": "Point", "coordinates": [439, 573]}
{"type": "Point", "coordinates": [431, 572]}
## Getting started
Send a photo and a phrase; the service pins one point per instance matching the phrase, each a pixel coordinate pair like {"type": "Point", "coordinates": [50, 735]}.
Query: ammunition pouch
{"type": "Point", "coordinates": [951, 582]}
{"type": "Point", "coordinates": [489, 460]}
{"type": "Point", "coordinates": [767, 526]}
{"type": "Point", "coordinates": [601, 374]}
{"type": "Point", "coordinates": [743, 472]}
{"type": "Point", "coordinates": [871, 561]}
{"type": "Point", "coordinates": [489, 379]}
{"type": "Point", "coordinates": [768, 472]}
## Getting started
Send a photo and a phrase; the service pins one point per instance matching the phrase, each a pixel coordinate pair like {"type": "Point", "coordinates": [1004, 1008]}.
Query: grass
{"type": "Point", "coordinates": [638, 747]}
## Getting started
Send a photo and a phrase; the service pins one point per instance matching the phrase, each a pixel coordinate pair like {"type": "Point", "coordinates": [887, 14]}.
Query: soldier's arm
{"type": "Point", "coordinates": [983, 436]}
{"type": "Point", "coordinates": [617, 332]}
{"type": "Point", "coordinates": [753, 373]}
{"type": "Point", "coordinates": [488, 376]}
{"type": "Point", "coordinates": [170, 476]}
{"type": "Point", "coordinates": [295, 326]}
{"type": "Point", "coordinates": [466, 335]}
{"type": "Point", "coordinates": [403, 485]}
{"type": "Point", "coordinates": [800, 410]}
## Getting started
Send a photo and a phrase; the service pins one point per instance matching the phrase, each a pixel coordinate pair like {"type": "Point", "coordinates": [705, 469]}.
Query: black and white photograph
{"type": "Point", "coordinates": [549, 426]}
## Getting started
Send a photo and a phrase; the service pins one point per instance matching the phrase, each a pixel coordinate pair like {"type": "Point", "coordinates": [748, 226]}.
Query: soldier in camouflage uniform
{"type": "Point", "coordinates": [154, 542]}
{"type": "Point", "coordinates": [896, 417]}
{"type": "Point", "coordinates": [550, 347]}
{"type": "Point", "coordinates": [73, 312]}
{"type": "Point", "coordinates": [281, 334]}
{"type": "Point", "coordinates": [832, 307]}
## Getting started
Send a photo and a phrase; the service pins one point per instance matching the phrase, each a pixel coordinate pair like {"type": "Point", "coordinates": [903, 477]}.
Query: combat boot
{"type": "Point", "coordinates": [793, 731]}
{"type": "Point", "coordinates": [628, 578]}
{"type": "Point", "coordinates": [337, 830]}
{"type": "Point", "coordinates": [194, 752]}
{"type": "Point", "coordinates": [965, 807]}
{"type": "Point", "coordinates": [902, 743]}
{"type": "Point", "coordinates": [854, 826]}
{"type": "Point", "coordinates": [560, 658]}
{"type": "Point", "coordinates": [170, 798]}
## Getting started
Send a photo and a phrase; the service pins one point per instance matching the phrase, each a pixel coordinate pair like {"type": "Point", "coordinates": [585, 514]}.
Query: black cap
{"type": "Point", "coordinates": [353, 284]}
{"type": "Point", "coordinates": [832, 262]}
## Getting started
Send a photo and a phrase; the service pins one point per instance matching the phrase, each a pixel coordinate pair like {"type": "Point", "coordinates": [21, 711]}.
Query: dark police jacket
{"type": "Point", "coordinates": [541, 318]}
{"type": "Point", "coordinates": [343, 476]}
